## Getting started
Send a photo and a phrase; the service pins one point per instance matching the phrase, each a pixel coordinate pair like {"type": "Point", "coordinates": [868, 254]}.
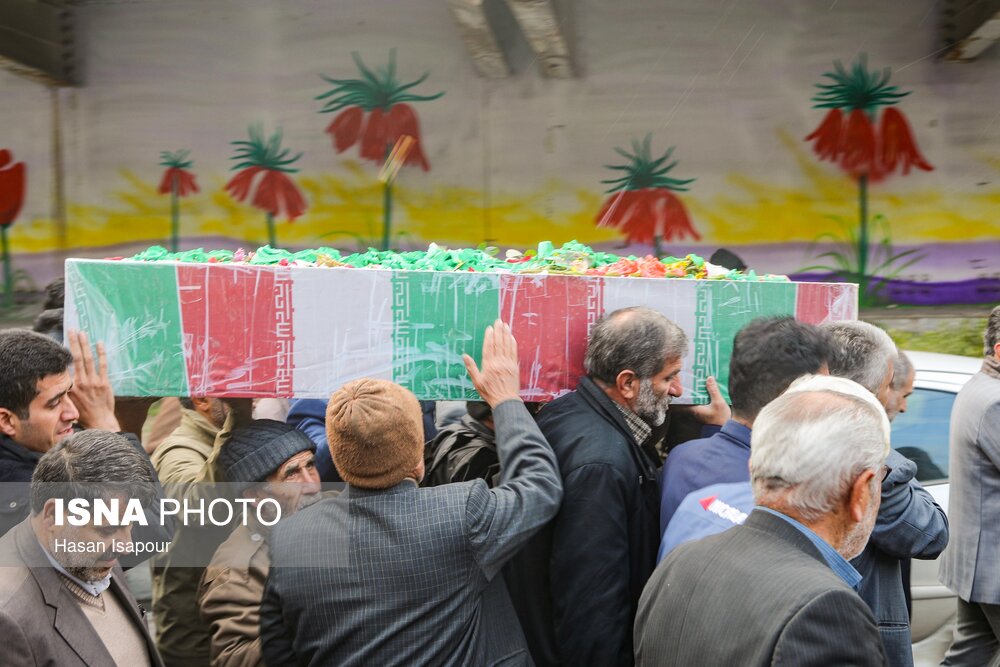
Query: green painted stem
{"type": "Point", "coordinates": [658, 246]}
{"type": "Point", "coordinates": [8, 270]}
{"type": "Point", "coordinates": [863, 236]}
{"type": "Point", "coordinates": [175, 217]}
{"type": "Point", "coordinates": [272, 239]}
{"type": "Point", "coordinates": [386, 214]}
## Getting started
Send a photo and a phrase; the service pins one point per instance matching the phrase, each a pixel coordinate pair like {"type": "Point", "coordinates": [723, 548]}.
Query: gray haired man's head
{"type": "Point", "coordinates": [903, 376]}
{"type": "Point", "coordinates": [812, 445]}
{"type": "Point", "coordinates": [635, 346]}
{"type": "Point", "coordinates": [98, 468]}
{"type": "Point", "coordinates": [991, 338]}
{"type": "Point", "coordinates": [864, 353]}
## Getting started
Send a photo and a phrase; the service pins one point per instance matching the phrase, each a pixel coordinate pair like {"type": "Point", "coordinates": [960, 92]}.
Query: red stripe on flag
{"type": "Point", "coordinates": [235, 321]}
{"type": "Point", "coordinates": [550, 316]}
{"type": "Point", "coordinates": [816, 303]}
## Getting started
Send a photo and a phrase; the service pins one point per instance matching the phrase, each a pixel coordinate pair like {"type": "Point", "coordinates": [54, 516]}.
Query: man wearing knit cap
{"type": "Point", "coordinates": [389, 573]}
{"type": "Point", "coordinates": [265, 459]}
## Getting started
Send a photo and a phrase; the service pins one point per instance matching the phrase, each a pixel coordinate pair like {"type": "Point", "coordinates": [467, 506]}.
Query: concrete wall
{"type": "Point", "coordinates": [517, 160]}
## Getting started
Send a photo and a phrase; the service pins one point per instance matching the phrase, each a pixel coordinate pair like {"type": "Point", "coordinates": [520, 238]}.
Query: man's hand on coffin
{"type": "Point", "coordinates": [717, 411]}
{"type": "Point", "coordinates": [91, 393]}
{"type": "Point", "coordinates": [499, 379]}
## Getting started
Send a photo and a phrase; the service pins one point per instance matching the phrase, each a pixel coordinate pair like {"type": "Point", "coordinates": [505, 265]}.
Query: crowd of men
{"type": "Point", "coordinates": [583, 532]}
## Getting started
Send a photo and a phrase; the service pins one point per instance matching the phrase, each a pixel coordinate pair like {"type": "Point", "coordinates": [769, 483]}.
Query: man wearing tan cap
{"type": "Point", "coordinates": [389, 573]}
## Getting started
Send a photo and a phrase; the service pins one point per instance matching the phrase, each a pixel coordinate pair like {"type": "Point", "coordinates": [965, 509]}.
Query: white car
{"type": "Point", "coordinates": [921, 435]}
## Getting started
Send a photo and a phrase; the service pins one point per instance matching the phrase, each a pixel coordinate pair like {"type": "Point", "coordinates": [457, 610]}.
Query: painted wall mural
{"type": "Point", "coordinates": [643, 206]}
{"type": "Point", "coordinates": [178, 181]}
{"type": "Point", "coordinates": [869, 154]}
{"type": "Point", "coordinates": [12, 185]}
{"type": "Point", "coordinates": [382, 105]}
{"type": "Point", "coordinates": [889, 176]}
{"type": "Point", "coordinates": [261, 168]}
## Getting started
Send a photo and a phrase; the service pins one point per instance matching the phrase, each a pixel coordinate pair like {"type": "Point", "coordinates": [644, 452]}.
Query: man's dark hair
{"type": "Point", "coordinates": [992, 335]}
{"type": "Point", "coordinates": [187, 403]}
{"type": "Point", "coordinates": [637, 338]}
{"type": "Point", "coordinates": [768, 355]}
{"type": "Point", "coordinates": [91, 464]}
{"type": "Point", "coordinates": [25, 358]}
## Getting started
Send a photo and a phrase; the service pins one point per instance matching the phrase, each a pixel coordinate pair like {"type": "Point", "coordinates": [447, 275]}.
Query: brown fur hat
{"type": "Point", "coordinates": [376, 433]}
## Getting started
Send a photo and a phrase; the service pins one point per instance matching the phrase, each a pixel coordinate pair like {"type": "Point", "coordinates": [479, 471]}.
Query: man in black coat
{"type": "Point", "coordinates": [40, 401]}
{"type": "Point", "coordinates": [47, 392]}
{"type": "Point", "coordinates": [779, 589]}
{"type": "Point", "coordinates": [577, 583]}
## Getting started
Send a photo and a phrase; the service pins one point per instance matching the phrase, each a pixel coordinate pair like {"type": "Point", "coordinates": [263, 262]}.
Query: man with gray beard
{"type": "Point", "coordinates": [63, 598]}
{"type": "Point", "coordinates": [577, 583]}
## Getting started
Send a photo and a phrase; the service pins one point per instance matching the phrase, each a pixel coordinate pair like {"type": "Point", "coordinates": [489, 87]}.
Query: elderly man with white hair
{"type": "Point", "coordinates": [778, 589]}
{"type": "Point", "coordinates": [910, 523]}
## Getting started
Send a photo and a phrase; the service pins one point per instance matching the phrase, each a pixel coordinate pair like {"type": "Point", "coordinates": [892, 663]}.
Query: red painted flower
{"type": "Point", "coordinates": [263, 166]}
{"type": "Point", "coordinates": [177, 177]}
{"type": "Point", "coordinates": [828, 136]}
{"type": "Point", "coordinates": [857, 145]}
{"type": "Point", "coordinates": [858, 154]}
{"type": "Point", "coordinates": [643, 206]}
{"type": "Point", "coordinates": [12, 180]}
{"type": "Point", "coordinates": [898, 145]}
{"type": "Point", "coordinates": [374, 113]}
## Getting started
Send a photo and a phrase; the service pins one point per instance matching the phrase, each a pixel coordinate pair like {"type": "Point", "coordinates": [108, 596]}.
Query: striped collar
{"type": "Point", "coordinates": [637, 425]}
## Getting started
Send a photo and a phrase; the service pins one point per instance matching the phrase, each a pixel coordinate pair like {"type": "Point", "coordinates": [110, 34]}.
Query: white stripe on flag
{"type": "Point", "coordinates": [677, 299]}
{"type": "Point", "coordinates": [343, 328]}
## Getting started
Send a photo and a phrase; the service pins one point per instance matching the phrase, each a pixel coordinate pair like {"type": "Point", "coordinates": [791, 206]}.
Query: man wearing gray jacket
{"type": "Point", "coordinates": [778, 589]}
{"type": "Point", "coordinates": [910, 523]}
{"type": "Point", "coordinates": [389, 573]}
{"type": "Point", "coordinates": [971, 563]}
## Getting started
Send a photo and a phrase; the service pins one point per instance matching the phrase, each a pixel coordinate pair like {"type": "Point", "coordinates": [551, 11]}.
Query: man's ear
{"type": "Point", "coordinates": [200, 403]}
{"type": "Point", "coordinates": [860, 497]}
{"type": "Point", "coordinates": [8, 422]}
{"type": "Point", "coordinates": [48, 513]}
{"type": "Point", "coordinates": [627, 384]}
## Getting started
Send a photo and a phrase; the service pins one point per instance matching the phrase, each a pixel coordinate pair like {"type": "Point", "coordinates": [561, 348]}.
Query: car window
{"type": "Point", "coordinates": [921, 433]}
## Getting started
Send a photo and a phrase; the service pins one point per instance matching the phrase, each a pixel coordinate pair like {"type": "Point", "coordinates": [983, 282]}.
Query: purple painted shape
{"type": "Point", "coordinates": [912, 293]}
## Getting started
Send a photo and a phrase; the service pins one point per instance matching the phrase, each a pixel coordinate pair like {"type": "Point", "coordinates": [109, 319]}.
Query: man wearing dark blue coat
{"type": "Point", "coordinates": [768, 354]}
{"type": "Point", "coordinates": [577, 584]}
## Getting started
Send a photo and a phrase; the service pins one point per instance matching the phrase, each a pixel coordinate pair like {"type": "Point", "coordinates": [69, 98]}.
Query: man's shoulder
{"type": "Point", "coordinates": [16, 463]}
{"type": "Point", "coordinates": [580, 434]}
{"type": "Point", "coordinates": [694, 449]}
{"type": "Point", "coordinates": [237, 550]}
{"type": "Point", "coordinates": [18, 588]}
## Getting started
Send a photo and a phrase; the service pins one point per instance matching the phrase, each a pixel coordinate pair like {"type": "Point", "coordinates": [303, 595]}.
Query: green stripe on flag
{"type": "Point", "coordinates": [133, 309]}
{"type": "Point", "coordinates": [436, 318]}
{"type": "Point", "coordinates": [723, 308]}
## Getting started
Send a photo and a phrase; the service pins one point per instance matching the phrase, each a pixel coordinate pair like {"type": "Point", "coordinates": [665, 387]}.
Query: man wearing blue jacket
{"type": "Point", "coordinates": [768, 354]}
{"type": "Point", "coordinates": [910, 523]}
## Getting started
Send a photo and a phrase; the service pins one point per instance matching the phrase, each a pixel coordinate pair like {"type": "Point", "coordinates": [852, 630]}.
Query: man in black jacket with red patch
{"type": "Point", "coordinates": [577, 584]}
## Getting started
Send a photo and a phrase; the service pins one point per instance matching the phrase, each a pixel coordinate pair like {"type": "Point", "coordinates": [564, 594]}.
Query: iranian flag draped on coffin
{"type": "Point", "coordinates": [239, 330]}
